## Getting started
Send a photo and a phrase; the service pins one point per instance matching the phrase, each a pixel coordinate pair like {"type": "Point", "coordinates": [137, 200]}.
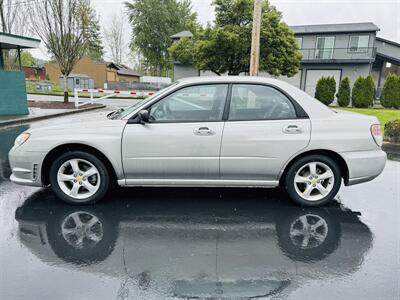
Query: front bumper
{"type": "Point", "coordinates": [26, 166]}
{"type": "Point", "coordinates": [364, 165]}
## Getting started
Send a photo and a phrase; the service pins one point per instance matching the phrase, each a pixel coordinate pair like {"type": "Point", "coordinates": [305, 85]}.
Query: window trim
{"type": "Point", "coordinates": [358, 48]}
{"type": "Point", "coordinates": [134, 119]}
{"type": "Point", "coordinates": [301, 43]}
{"type": "Point", "coordinates": [299, 111]}
{"type": "Point", "coordinates": [316, 46]}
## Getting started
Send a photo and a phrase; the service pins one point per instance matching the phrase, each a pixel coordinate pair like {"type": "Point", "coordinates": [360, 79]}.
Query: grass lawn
{"type": "Point", "coordinates": [384, 115]}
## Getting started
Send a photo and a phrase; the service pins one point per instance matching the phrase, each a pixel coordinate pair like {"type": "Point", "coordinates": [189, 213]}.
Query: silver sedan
{"type": "Point", "coordinates": [218, 131]}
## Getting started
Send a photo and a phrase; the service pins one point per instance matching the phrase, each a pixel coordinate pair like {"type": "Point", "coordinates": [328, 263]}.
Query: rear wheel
{"type": "Point", "coordinates": [79, 178]}
{"type": "Point", "coordinates": [313, 180]}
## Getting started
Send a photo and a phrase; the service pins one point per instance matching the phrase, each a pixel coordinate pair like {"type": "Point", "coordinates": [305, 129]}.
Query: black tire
{"type": "Point", "coordinates": [104, 175]}
{"type": "Point", "coordinates": [289, 183]}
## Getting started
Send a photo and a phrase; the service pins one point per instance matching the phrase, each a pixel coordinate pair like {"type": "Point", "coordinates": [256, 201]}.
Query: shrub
{"type": "Point", "coordinates": [392, 131]}
{"type": "Point", "coordinates": [370, 90]}
{"type": "Point", "coordinates": [391, 92]}
{"type": "Point", "coordinates": [363, 93]}
{"type": "Point", "coordinates": [343, 95]}
{"type": "Point", "coordinates": [325, 90]}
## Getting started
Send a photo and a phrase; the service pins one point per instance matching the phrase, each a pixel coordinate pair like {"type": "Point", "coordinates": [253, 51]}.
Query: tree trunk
{"type": "Point", "coordinates": [65, 88]}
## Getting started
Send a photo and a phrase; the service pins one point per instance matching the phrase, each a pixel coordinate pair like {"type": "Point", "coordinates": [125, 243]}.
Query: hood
{"type": "Point", "coordinates": [79, 125]}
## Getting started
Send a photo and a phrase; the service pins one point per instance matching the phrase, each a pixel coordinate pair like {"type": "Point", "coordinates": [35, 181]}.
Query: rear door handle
{"type": "Point", "coordinates": [292, 129]}
{"type": "Point", "coordinates": [203, 131]}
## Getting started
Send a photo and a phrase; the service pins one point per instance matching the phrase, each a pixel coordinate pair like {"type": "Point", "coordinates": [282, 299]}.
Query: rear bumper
{"type": "Point", "coordinates": [364, 165]}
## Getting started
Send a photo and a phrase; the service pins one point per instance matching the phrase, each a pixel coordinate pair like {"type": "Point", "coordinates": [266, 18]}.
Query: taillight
{"type": "Point", "coordinates": [377, 134]}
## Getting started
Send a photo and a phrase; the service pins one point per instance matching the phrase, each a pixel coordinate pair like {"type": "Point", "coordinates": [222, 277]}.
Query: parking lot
{"type": "Point", "coordinates": [189, 243]}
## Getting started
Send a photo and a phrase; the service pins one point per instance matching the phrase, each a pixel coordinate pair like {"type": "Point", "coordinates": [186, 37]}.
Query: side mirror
{"type": "Point", "coordinates": [143, 116]}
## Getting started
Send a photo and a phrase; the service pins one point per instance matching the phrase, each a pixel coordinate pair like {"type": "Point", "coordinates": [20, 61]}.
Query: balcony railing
{"type": "Point", "coordinates": [332, 54]}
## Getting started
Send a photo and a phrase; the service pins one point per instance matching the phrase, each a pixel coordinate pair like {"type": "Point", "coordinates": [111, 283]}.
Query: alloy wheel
{"type": "Point", "coordinates": [314, 181]}
{"type": "Point", "coordinates": [78, 178]}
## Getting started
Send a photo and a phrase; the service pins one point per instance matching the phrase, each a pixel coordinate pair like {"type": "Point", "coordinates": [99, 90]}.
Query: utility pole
{"type": "Point", "coordinates": [255, 38]}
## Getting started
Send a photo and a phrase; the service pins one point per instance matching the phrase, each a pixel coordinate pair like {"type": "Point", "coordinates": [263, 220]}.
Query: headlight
{"type": "Point", "coordinates": [22, 138]}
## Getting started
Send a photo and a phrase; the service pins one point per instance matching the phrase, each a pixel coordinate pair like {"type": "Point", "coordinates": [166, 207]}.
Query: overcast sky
{"type": "Point", "coordinates": [384, 13]}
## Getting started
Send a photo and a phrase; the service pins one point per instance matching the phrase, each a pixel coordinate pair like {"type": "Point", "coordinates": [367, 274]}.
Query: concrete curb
{"type": "Point", "coordinates": [392, 150]}
{"type": "Point", "coordinates": [40, 118]}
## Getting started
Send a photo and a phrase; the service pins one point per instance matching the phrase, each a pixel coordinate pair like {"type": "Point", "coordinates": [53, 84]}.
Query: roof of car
{"type": "Point", "coordinates": [200, 79]}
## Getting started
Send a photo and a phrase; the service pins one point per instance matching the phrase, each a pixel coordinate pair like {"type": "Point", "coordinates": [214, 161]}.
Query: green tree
{"type": "Point", "coordinates": [343, 95]}
{"type": "Point", "coordinates": [325, 90]}
{"type": "Point", "coordinates": [153, 22]}
{"type": "Point", "coordinates": [370, 90]}
{"type": "Point", "coordinates": [363, 92]}
{"type": "Point", "coordinates": [391, 92]}
{"type": "Point", "coordinates": [225, 47]}
{"type": "Point", "coordinates": [95, 49]}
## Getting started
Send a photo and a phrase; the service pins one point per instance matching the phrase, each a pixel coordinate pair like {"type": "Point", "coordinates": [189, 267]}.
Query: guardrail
{"type": "Point", "coordinates": [106, 93]}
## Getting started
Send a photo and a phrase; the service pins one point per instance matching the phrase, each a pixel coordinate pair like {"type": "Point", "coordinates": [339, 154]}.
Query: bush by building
{"type": "Point", "coordinates": [390, 97]}
{"type": "Point", "coordinates": [392, 131]}
{"type": "Point", "coordinates": [363, 93]}
{"type": "Point", "coordinates": [344, 93]}
{"type": "Point", "coordinates": [325, 90]}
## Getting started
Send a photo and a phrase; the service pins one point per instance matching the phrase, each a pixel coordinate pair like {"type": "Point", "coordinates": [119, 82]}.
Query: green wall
{"type": "Point", "coordinates": [13, 99]}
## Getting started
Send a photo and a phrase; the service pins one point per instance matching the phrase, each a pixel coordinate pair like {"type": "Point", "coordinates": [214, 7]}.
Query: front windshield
{"type": "Point", "coordinates": [132, 108]}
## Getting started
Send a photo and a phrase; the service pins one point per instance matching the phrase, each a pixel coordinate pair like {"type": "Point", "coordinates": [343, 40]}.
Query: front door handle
{"type": "Point", "coordinates": [203, 131]}
{"type": "Point", "coordinates": [292, 129]}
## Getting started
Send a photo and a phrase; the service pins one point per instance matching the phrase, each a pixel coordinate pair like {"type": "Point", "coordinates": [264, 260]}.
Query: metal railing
{"type": "Point", "coordinates": [327, 54]}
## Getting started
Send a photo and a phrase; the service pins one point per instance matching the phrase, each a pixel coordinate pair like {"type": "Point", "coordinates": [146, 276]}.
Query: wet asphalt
{"type": "Point", "coordinates": [190, 243]}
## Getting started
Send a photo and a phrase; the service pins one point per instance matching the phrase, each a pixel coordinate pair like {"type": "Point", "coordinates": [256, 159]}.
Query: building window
{"type": "Point", "coordinates": [324, 47]}
{"type": "Point", "coordinates": [299, 41]}
{"type": "Point", "coordinates": [359, 43]}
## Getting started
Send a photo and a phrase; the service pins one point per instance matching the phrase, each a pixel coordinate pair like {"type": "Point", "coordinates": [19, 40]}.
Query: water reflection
{"type": "Point", "coordinates": [197, 243]}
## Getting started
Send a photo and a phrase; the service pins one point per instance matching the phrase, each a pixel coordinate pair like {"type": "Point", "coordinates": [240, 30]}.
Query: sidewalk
{"type": "Point", "coordinates": [36, 114]}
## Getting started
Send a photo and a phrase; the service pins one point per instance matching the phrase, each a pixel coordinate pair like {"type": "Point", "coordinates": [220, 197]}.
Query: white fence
{"type": "Point", "coordinates": [106, 93]}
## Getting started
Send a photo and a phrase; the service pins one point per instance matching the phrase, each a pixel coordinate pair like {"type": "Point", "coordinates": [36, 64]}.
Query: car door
{"type": "Point", "coordinates": [262, 132]}
{"type": "Point", "coordinates": [181, 140]}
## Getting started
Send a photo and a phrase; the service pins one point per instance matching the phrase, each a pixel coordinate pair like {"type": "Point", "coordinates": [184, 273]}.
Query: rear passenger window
{"type": "Point", "coordinates": [259, 102]}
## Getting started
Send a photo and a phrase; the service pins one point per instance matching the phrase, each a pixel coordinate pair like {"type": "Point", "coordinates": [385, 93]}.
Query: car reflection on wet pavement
{"type": "Point", "coordinates": [190, 243]}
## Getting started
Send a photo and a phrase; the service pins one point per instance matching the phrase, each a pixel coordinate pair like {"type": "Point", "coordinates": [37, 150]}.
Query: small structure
{"type": "Point", "coordinates": [34, 73]}
{"type": "Point", "coordinates": [77, 81]}
{"type": "Point", "coordinates": [104, 74]}
{"type": "Point", "coordinates": [13, 100]}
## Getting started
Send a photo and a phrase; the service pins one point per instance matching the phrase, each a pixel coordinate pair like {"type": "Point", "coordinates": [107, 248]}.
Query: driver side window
{"type": "Point", "coordinates": [191, 104]}
{"type": "Point", "coordinates": [259, 102]}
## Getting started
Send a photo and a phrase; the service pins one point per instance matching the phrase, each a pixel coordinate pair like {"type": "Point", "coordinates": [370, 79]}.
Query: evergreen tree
{"type": "Point", "coordinates": [343, 95]}
{"type": "Point", "coordinates": [325, 90]}
{"type": "Point", "coordinates": [95, 49]}
{"type": "Point", "coordinates": [391, 92]}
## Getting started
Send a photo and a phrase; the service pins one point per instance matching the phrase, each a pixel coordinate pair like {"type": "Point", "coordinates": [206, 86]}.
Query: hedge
{"type": "Point", "coordinates": [392, 131]}
{"type": "Point", "coordinates": [363, 93]}
{"type": "Point", "coordinates": [390, 97]}
{"type": "Point", "coordinates": [325, 90]}
{"type": "Point", "coordinates": [343, 95]}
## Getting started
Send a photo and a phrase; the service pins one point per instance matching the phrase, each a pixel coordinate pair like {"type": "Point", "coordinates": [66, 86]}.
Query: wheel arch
{"type": "Point", "coordinates": [64, 148]}
{"type": "Point", "coordinates": [344, 170]}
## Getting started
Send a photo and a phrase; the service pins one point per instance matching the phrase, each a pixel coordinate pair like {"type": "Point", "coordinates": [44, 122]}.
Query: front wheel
{"type": "Point", "coordinates": [79, 178]}
{"type": "Point", "coordinates": [313, 180]}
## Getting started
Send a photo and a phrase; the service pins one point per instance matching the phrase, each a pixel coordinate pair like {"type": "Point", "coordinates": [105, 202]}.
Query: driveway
{"type": "Point", "coordinates": [190, 243]}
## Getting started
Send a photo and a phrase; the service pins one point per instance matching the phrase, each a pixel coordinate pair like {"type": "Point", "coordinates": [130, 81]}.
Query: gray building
{"type": "Point", "coordinates": [337, 50]}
